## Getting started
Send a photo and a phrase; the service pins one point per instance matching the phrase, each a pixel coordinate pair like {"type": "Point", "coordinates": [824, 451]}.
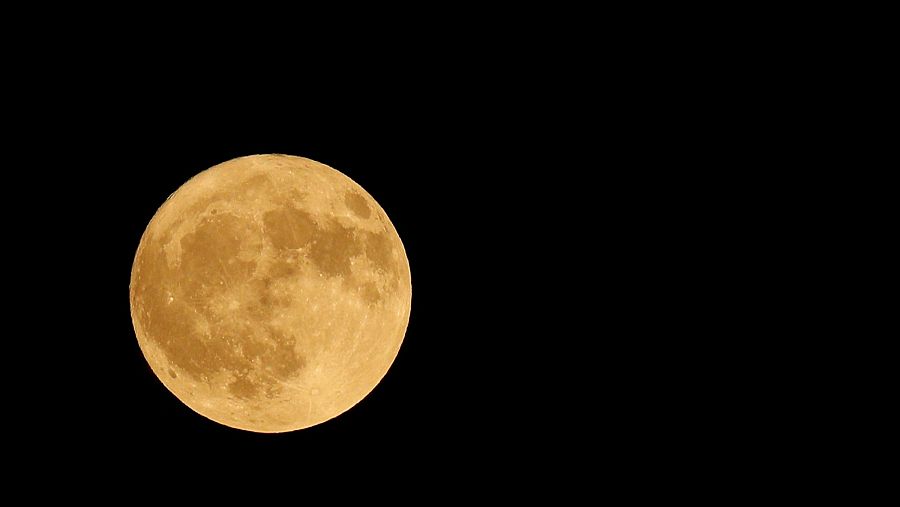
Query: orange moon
{"type": "Point", "coordinates": [270, 293]}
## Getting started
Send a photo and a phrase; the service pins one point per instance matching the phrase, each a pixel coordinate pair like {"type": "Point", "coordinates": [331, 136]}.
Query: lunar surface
{"type": "Point", "coordinates": [270, 293]}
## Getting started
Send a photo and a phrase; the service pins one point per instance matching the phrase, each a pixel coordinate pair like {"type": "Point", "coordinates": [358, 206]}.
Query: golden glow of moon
{"type": "Point", "coordinates": [270, 293]}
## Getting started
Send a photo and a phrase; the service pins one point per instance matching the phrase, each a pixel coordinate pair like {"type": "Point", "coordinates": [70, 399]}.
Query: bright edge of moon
{"type": "Point", "coordinates": [270, 293]}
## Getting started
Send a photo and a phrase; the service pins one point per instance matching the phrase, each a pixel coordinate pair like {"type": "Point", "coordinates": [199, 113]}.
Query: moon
{"type": "Point", "coordinates": [270, 293]}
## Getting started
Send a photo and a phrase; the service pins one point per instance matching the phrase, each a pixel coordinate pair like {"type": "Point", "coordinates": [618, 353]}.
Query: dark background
{"type": "Point", "coordinates": [493, 160]}
{"type": "Point", "coordinates": [587, 203]}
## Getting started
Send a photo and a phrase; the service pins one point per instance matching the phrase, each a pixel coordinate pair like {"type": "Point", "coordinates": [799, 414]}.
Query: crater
{"type": "Point", "coordinates": [243, 388]}
{"type": "Point", "coordinates": [209, 255]}
{"type": "Point", "coordinates": [174, 328]}
{"type": "Point", "coordinates": [357, 204]}
{"type": "Point", "coordinates": [288, 228]}
{"type": "Point", "coordinates": [254, 349]}
{"type": "Point", "coordinates": [284, 360]}
{"type": "Point", "coordinates": [197, 208]}
{"type": "Point", "coordinates": [255, 182]}
{"type": "Point", "coordinates": [380, 251]}
{"type": "Point", "coordinates": [225, 349]}
{"type": "Point", "coordinates": [252, 189]}
{"type": "Point", "coordinates": [370, 293]}
{"type": "Point", "coordinates": [282, 269]}
{"type": "Point", "coordinates": [260, 309]}
{"type": "Point", "coordinates": [333, 248]}
{"type": "Point", "coordinates": [270, 295]}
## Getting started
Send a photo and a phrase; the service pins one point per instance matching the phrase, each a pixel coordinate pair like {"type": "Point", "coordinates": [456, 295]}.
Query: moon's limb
{"type": "Point", "coordinates": [270, 293]}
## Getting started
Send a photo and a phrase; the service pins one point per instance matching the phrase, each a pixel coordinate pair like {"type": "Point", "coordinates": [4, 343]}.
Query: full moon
{"type": "Point", "coordinates": [270, 293]}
